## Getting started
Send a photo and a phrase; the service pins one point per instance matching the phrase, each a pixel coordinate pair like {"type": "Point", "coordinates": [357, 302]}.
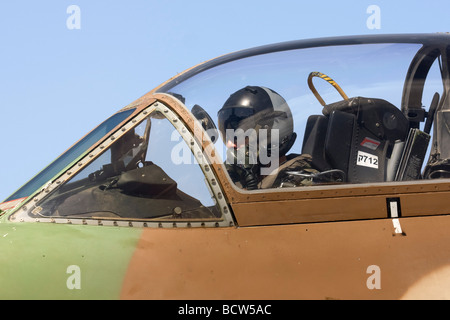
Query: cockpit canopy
{"type": "Point", "coordinates": [363, 110]}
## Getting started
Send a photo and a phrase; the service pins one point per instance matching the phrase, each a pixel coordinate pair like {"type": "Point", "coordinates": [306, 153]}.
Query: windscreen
{"type": "Point", "coordinates": [70, 156]}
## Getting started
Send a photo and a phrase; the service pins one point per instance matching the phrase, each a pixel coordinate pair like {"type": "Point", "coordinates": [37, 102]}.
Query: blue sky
{"type": "Point", "coordinates": [56, 83]}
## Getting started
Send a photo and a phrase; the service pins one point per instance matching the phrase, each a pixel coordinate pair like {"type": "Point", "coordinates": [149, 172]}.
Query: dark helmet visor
{"type": "Point", "coordinates": [231, 118]}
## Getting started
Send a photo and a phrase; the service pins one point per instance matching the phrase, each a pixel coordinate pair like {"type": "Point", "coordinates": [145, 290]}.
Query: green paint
{"type": "Point", "coordinates": [35, 257]}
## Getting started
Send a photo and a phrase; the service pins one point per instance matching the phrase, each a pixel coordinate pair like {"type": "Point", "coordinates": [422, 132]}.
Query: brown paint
{"type": "Point", "coordinates": [304, 261]}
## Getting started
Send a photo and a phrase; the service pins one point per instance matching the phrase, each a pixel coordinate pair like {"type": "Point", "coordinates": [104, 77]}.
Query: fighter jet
{"type": "Point", "coordinates": [309, 169]}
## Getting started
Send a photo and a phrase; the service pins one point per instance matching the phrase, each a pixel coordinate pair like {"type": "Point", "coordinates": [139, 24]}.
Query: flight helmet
{"type": "Point", "coordinates": [256, 107]}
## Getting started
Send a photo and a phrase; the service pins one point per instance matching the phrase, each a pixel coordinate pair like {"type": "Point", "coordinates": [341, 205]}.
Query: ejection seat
{"type": "Point", "coordinates": [362, 137]}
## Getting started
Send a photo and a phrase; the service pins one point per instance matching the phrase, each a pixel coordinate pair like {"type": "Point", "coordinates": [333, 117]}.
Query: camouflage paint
{"type": "Point", "coordinates": [304, 261]}
{"type": "Point", "coordinates": [35, 257]}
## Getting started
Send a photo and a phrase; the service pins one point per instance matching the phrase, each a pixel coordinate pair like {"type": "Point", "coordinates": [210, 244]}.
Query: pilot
{"type": "Point", "coordinates": [256, 126]}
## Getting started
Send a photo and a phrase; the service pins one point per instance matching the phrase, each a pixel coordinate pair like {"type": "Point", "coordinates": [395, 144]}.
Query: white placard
{"type": "Point", "coordinates": [367, 160]}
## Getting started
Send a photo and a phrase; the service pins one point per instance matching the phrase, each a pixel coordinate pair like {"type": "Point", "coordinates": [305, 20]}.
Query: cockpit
{"type": "Point", "coordinates": [288, 116]}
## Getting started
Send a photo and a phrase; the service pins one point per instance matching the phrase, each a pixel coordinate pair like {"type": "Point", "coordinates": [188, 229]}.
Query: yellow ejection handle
{"type": "Point", "coordinates": [329, 80]}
